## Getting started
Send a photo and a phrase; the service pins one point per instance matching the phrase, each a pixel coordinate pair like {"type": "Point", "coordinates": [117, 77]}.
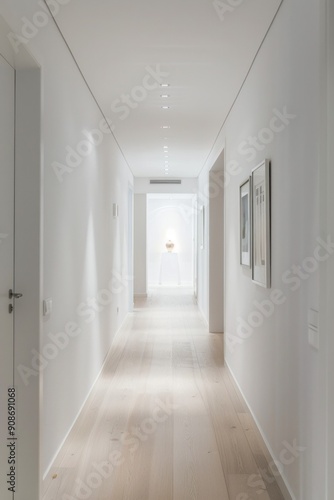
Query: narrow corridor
{"type": "Point", "coordinates": [165, 421]}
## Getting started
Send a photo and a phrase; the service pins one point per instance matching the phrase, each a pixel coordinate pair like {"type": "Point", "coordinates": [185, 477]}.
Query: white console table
{"type": "Point", "coordinates": [170, 269]}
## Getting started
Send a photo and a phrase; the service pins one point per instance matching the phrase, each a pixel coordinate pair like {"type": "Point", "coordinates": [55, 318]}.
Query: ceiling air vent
{"type": "Point", "coordinates": [165, 181]}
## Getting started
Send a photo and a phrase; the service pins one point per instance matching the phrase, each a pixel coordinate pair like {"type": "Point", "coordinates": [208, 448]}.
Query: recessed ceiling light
{"type": "Point", "coordinates": [164, 85]}
{"type": "Point", "coordinates": [165, 96]}
{"type": "Point", "coordinates": [165, 107]}
{"type": "Point", "coordinates": [165, 126]}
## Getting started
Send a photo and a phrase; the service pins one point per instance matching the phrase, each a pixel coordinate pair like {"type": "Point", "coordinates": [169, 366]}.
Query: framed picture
{"type": "Point", "coordinates": [261, 229]}
{"type": "Point", "coordinates": [245, 223]}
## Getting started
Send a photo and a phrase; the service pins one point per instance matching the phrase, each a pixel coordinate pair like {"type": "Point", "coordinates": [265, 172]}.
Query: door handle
{"type": "Point", "coordinates": [13, 295]}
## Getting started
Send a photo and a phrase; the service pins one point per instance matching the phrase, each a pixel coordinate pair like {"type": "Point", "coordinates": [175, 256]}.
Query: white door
{"type": "Point", "coordinates": [7, 82]}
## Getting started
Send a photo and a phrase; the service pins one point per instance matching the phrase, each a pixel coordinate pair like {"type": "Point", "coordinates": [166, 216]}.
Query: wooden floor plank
{"type": "Point", "coordinates": [245, 487]}
{"type": "Point", "coordinates": [259, 452]}
{"type": "Point", "coordinates": [165, 419]}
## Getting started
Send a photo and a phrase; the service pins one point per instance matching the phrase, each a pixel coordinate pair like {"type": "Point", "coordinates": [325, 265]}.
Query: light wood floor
{"type": "Point", "coordinates": [165, 421]}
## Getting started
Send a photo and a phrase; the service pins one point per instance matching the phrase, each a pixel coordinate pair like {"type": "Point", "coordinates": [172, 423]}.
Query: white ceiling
{"type": "Point", "coordinates": [206, 59]}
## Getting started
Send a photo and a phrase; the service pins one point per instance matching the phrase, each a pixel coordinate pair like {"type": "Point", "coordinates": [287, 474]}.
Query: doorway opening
{"type": "Point", "coordinates": [130, 248]}
{"type": "Point", "coordinates": [216, 247]}
{"type": "Point", "coordinates": [171, 241]}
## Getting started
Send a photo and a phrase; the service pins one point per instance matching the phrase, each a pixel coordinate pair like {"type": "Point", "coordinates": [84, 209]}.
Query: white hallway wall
{"type": "Point", "coordinates": [85, 248]}
{"type": "Point", "coordinates": [281, 376]}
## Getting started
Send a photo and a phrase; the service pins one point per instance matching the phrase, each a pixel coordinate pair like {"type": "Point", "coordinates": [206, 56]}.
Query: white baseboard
{"type": "Point", "coordinates": [280, 479]}
{"type": "Point", "coordinates": [85, 401]}
{"type": "Point", "coordinates": [202, 314]}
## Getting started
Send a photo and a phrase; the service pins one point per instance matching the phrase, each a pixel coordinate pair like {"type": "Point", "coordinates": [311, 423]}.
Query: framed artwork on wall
{"type": "Point", "coordinates": [261, 225]}
{"type": "Point", "coordinates": [245, 223]}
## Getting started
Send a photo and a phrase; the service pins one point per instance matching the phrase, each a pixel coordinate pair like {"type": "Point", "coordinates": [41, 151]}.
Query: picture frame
{"type": "Point", "coordinates": [245, 194]}
{"type": "Point", "coordinates": [261, 224]}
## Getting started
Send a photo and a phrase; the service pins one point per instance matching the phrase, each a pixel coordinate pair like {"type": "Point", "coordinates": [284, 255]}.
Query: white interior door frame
{"type": "Point", "coordinates": [326, 203]}
{"type": "Point", "coordinates": [327, 278]}
{"type": "Point", "coordinates": [28, 275]}
{"type": "Point", "coordinates": [7, 394]}
{"type": "Point", "coordinates": [28, 263]}
{"type": "Point", "coordinates": [130, 247]}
